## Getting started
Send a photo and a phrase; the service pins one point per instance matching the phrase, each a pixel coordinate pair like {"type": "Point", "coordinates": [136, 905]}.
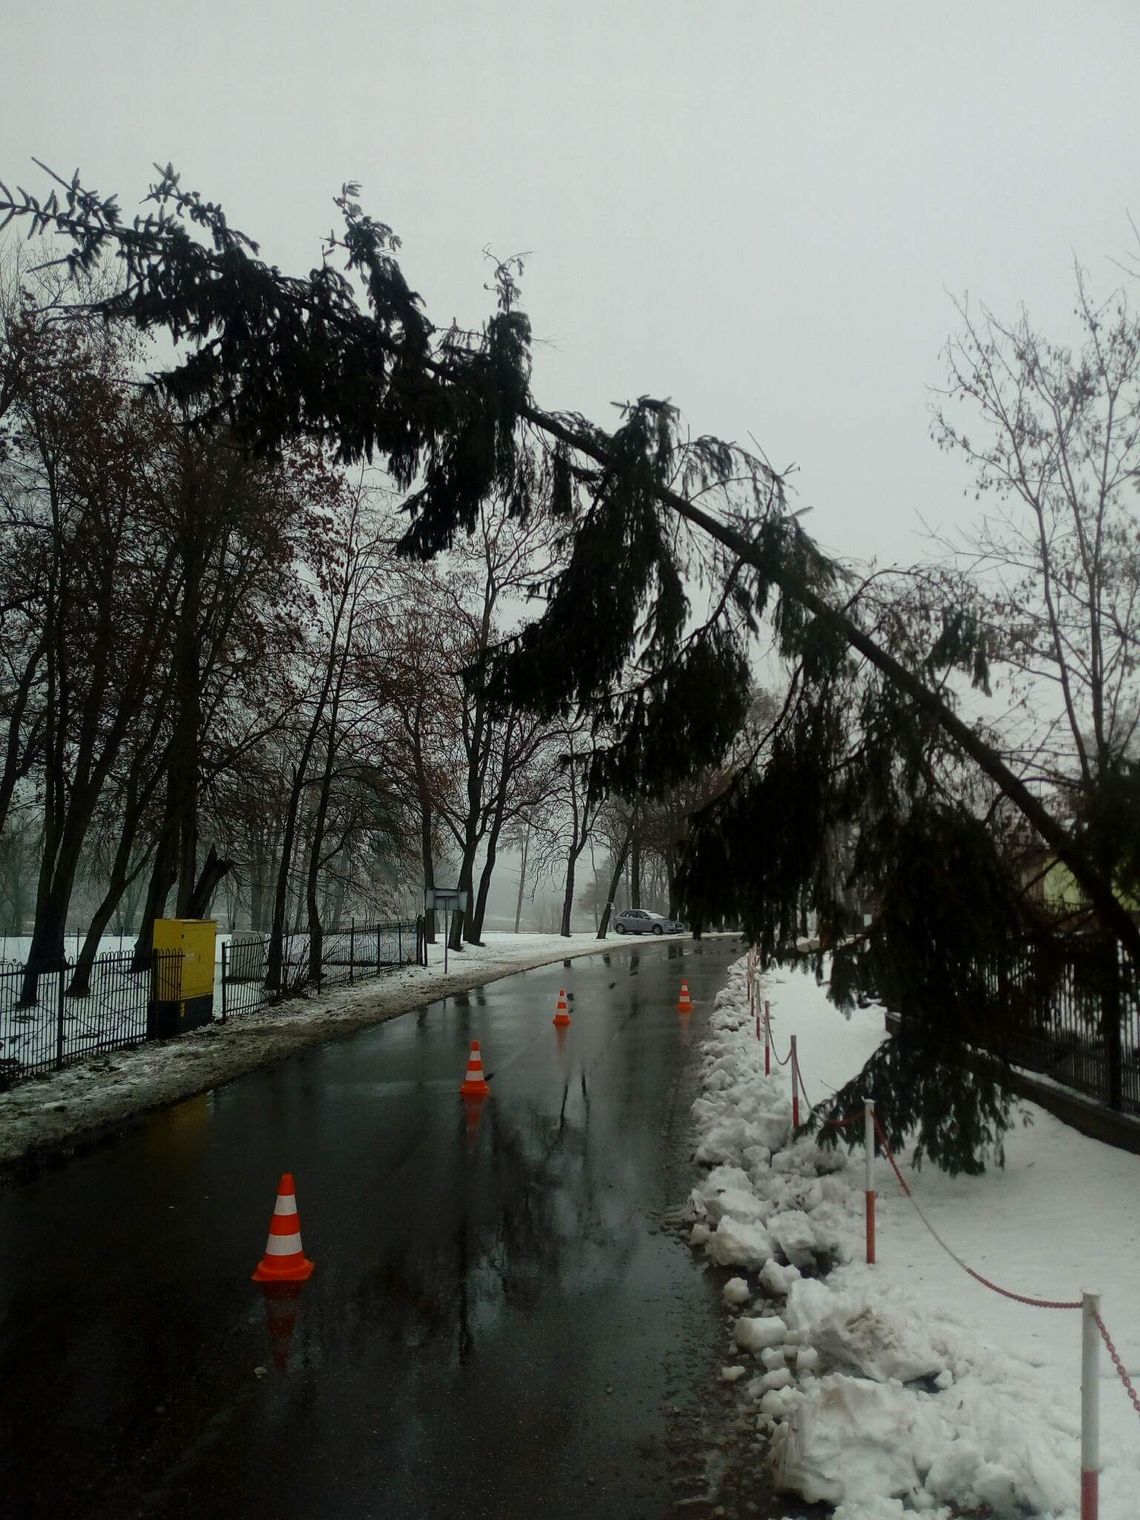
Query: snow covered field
{"type": "Point", "coordinates": [908, 1386]}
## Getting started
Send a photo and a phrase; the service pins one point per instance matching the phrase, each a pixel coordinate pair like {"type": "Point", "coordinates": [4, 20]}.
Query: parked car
{"type": "Point", "coordinates": [638, 921]}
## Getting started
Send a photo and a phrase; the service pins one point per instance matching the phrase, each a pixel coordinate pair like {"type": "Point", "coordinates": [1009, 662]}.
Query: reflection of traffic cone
{"type": "Point", "coordinates": [474, 1084]}
{"type": "Point", "coordinates": [560, 1035]}
{"type": "Point", "coordinates": [562, 1012]}
{"type": "Point", "coordinates": [283, 1261]}
{"type": "Point", "coordinates": [282, 1301]}
{"type": "Point", "coordinates": [473, 1109]}
{"type": "Point", "coordinates": [684, 1002]}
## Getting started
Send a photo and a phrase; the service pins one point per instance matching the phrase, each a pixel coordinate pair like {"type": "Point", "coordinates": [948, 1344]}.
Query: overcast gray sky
{"type": "Point", "coordinates": [758, 209]}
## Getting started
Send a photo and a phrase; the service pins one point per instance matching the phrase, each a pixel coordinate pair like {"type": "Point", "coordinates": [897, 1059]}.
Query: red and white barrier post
{"type": "Point", "coordinates": [795, 1085]}
{"type": "Point", "coordinates": [767, 1039]}
{"type": "Point", "coordinates": [869, 1160]}
{"type": "Point", "coordinates": [1090, 1413]}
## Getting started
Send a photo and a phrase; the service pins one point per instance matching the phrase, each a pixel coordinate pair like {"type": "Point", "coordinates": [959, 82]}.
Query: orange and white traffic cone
{"type": "Point", "coordinates": [684, 1002]}
{"type": "Point", "coordinates": [562, 1012]}
{"type": "Point", "coordinates": [283, 1260]}
{"type": "Point", "coordinates": [474, 1084]}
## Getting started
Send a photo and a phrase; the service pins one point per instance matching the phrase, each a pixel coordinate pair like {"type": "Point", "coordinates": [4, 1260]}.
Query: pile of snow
{"type": "Point", "coordinates": [878, 1392]}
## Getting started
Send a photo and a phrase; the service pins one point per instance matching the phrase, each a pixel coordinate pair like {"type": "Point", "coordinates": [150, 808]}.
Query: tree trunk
{"type": "Point", "coordinates": [615, 879]}
{"type": "Point", "coordinates": [461, 920]}
{"type": "Point", "coordinates": [57, 880]}
{"type": "Point", "coordinates": [162, 874]}
{"type": "Point", "coordinates": [568, 894]}
{"type": "Point", "coordinates": [46, 951]}
{"type": "Point", "coordinates": [316, 844]}
{"type": "Point", "coordinates": [522, 879]}
{"type": "Point", "coordinates": [120, 879]}
{"type": "Point", "coordinates": [428, 868]}
{"type": "Point", "coordinates": [276, 948]}
{"type": "Point", "coordinates": [635, 867]}
{"type": "Point", "coordinates": [214, 870]}
{"type": "Point", "coordinates": [484, 889]}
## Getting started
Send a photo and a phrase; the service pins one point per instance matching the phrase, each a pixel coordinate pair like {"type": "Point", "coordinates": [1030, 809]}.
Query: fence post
{"type": "Point", "coordinates": [1090, 1413]}
{"type": "Point", "coordinates": [869, 1157]}
{"type": "Point", "coordinates": [225, 947]}
{"type": "Point", "coordinates": [767, 1039]}
{"type": "Point", "coordinates": [795, 1085]}
{"type": "Point", "coordinates": [399, 943]}
{"type": "Point", "coordinates": [351, 947]}
{"type": "Point", "coordinates": [59, 1019]}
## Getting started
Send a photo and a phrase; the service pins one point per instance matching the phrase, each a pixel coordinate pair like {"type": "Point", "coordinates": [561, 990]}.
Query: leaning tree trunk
{"type": "Point", "coordinates": [615, 879]}
{"type": "Point", "coordinates": [163, 871]}
{"type": "Point", "coordinates": [120, 880]}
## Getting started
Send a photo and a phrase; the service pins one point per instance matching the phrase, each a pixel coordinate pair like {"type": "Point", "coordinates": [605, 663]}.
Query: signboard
{"type": "Point", "coordinates": [447, 900]}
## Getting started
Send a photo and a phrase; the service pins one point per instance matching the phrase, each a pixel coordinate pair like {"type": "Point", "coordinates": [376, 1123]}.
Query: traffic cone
{"type": "Point", "coordinates": [562, 1012]}
{"type": "Point", "coordinates": [474, 1084]}
{"type": "Point", "coordinates": [283, 1260]}
{"type": "Point", "coordinates": [684, 1002]}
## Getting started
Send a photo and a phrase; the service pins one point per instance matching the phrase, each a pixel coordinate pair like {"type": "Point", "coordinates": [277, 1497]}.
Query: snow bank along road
{"type": "Point", "coordinates": [907, 1386]}
{"type": "Point", "coordinates": [94, 1097]}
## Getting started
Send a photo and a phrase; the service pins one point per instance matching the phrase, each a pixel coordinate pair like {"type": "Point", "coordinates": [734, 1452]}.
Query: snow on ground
{"type": "Point", "coordinates": [55, 1111]}
{"type": "Point", "coordinates": [907, 1386]}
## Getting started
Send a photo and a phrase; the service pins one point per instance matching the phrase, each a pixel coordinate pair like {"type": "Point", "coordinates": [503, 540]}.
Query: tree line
{"type": "Point", "coordinates": [223, 687]}
{"type": "Point", "coordinates": [882, 780]}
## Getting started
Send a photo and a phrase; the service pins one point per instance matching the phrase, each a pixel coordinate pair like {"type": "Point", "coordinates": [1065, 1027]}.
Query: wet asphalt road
{"type": "Point", "coordinates": [498, 1325]}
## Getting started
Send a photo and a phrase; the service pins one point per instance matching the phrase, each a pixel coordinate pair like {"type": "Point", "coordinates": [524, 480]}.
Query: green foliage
{"type": "Point", "coordinates": [853, 795]}
{"type": "Point", "coordinates": [954, 1111]}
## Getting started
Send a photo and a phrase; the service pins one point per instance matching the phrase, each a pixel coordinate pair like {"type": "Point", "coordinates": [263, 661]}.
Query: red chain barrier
{"type": "Point", "coordinates": [1021, 1298]}
{"type": "Point", "coordinates": [803, 1089]}
{"type": "Point", "coordinates": [772, 1042]}
{"type": "Point", "coordinates": [1118, 1364]}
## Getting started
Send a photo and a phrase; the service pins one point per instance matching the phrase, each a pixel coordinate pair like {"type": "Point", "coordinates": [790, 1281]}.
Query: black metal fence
{"type": "Point", "coordinates": [44, 1026]}
{"type": "Point", "coordinates": [348, 955]}
{"type": "Point", "coordinates": [1073, 1017]}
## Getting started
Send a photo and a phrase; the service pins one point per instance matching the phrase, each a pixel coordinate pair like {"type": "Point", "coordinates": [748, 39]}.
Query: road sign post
{"type": "Point", "coordinates": [450, 899]}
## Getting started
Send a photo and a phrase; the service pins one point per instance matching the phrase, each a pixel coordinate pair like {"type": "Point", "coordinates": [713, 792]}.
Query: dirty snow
{"type": "Point", "coordinates": [907, 1387]}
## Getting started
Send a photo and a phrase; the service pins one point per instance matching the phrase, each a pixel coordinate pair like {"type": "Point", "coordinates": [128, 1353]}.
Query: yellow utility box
{"type": "Point", "coordinates": [183, 983]}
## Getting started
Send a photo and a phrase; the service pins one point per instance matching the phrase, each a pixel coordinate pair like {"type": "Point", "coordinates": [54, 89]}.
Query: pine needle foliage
{"type": "Point", "coordinates": [852, 791]}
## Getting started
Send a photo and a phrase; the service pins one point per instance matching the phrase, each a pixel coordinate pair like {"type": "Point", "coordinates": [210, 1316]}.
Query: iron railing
{"type": "Point", "coordinates": [44, 1027]}
{"type": "Point", "coordinates": [347, 955]}
{"type": "Point", "coordinates": [1072, 1016]}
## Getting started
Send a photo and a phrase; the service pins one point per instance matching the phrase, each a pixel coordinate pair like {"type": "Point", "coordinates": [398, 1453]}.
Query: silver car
{"type": "Point", "coordinates": [638, 921]}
